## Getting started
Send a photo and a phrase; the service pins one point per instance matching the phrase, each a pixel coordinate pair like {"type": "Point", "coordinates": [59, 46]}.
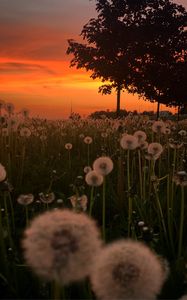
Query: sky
{"type": "Point", "coordinates": [34, 66]}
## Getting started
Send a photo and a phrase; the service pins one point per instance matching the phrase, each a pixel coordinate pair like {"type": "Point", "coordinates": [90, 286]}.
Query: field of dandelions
{"type": "Point", "coordinates": [92, 209]}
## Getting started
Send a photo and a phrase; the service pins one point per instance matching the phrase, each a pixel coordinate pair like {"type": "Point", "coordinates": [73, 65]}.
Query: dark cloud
{"type": "Point", "coordinates": [15, 67]}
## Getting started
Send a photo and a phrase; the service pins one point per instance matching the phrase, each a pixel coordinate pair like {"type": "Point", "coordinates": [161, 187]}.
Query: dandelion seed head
{"type": "Point", "coordinates": [129, 142]}
{"type": "Point", "coordinates": [25, 132]}
{"type": "Point", "coordinates": [180, 178]}
{"type": "Point", "coordinates": [47, 198]}
{"type": "Point", "coordinates": [68, 146]}
{"type": "Point", "coordinates": [140, 135]}
{"type": "Point", "coordinates": [59, 244]}
{"type": "Point", "coordinates": [88, 140]}
{"type": "Point", "coordinates": [25, 199]}
{"type": "Point", "coordinates": [103, 165]}
{"type": "Point", "coordinates": [155, 149]}
{"type": "Point", "coordinates": [2, 173]}
{"type": "Point", "coordinates": [87, 169]}
{"type": "Point", "coordinates": [158, 127]}
{"type": "Point", "coordinates": [127, 270]}
{"type": "Point", "coordinates": [93, 178]}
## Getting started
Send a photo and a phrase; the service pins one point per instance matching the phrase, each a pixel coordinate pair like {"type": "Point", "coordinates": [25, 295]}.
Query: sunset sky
{"type": "Point", "coordinates": [34, 67]}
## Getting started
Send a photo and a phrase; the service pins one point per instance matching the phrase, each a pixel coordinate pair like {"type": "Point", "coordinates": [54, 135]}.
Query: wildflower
{"type": "Point", "coordinates": [175, 144]}
{"type": "Point", "coordinates": [68, 146]}
{"type": "Point", "coordinates": [93, 178]}
{"type": "Point", "coordinates": [103, 165]}
{"type": "Point", "coordinates": [61, 245]}
{"type": "Point", "coordinates": [143, 145]}
{"type": "Point", "coordinates": [81, 136]}
{"type": "Point", "coordinates": [155, 149]}
{"type": "Point", "coordinates": [141, 136]}
{"type": "Point", "coordinates": [25, 199]}
{"type": "Point", "coordinates": [180, 178]}
{"type": "Point", "coordinates": [159, 127]}
{"type": "Point", "coordinates": [2, 173]}
{"type": "Point", "coordinates": [104, 134]}
{"type": "Point", "coordinates": [182, 132]}
{"type": "Point", "coordinates": [47, 198]}
{"type": "Point", "coordinates": [87, 169]}
{"type": "Point", "coordinates": [129, 142]}
{"type": "Point", "coordinates": [79, 203]}
{"type": "Point", "coordinates": [25, 132]}
{"type": "Point", "coordinates": [127, 270]}
{"type": "Point", "coordinates": [167, 131]}
{"type": "Point", "coordinates": [88, 140]}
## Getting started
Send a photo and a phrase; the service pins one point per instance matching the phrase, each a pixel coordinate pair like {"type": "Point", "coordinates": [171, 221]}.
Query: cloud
{"type": "Point", "coordinates": [16, 67]}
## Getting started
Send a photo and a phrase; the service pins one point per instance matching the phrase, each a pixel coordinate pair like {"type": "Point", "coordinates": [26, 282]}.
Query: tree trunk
{"type": "Point", "coordinates": [118, 100]}
{"type": "Point", "coordinates": [158, 110]}
{"type": "Point", "coordinates": [178, 113]}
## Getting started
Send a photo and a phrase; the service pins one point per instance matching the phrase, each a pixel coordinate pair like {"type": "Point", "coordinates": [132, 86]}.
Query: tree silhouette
{"type": "Point", "coordinates": [127, 40]}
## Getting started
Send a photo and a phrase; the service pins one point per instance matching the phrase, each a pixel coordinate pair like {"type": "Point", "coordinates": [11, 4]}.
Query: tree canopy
{"type": "Point", "coordinates": [133, 45]}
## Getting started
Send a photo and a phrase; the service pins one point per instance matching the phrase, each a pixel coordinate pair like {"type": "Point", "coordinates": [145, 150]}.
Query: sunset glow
{"type": "Point", "coordinates": [34, 67]}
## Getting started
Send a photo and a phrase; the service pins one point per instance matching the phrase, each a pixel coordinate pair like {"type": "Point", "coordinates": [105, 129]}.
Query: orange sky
{"type": "Point", "coordinates": [34, 69]}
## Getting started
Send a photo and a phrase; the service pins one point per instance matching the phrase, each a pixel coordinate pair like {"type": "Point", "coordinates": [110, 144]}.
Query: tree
{"type": "Point", "coordinates": [126, 35]}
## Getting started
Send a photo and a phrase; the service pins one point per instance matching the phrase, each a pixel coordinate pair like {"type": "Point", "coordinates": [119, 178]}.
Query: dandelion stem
{"type": "Point", "coordinates": [104, 210]}
{"type": "Point", "coordinates": [129, 198]}
{"type": "Point", "coordinates": [91, 201]}
{"type": "Point", "coordinates": [181, 223]}
{"type": "Point", "coordinates": [140, 173]}
{"type": "Point", "coordinates": [170, 231]}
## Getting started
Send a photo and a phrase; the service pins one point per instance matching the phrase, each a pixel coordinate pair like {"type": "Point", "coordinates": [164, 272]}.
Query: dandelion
{"type": "Point", "coordinates": [2, 173]}
{"type": "Point", "coordinates": [104, 134]}
{"type": "Point", "coordinates": [143, 145]}
{"type": "Point", "coordinates": [127, 270]}
{"type": "Point", "coordinates": [79, 203]}
{"type": "Point", "coordinates": [81, 136]}
{"type": "Point", "coordinates": [88, 140]}
{"type": "Point", "coordinates": [175, 144]}
{"type": "Point", "coordinates": [159, 127]}
{"type": "Point", "coordinates": [182, 132]}
{"type": "Point", "coordinates": [61, 245]}
{"type": "Point", "coordinates": [129, 142]}
{"type": "Point", "coordinates": [26, 132]}
{"type": "Point", "coordinates": [155, 149]}
{"type": "Point", "coordinates": [167, 131]}
{"type": "Point", "coordinates": [87, 169]}
{"type": "Point", "coordinates": [141, 136]}
{"type": "Point", "coordinates": [68, 146]}
{"type": "Point", "coordinates": [47, 198]}
{"type": "Point", "coordinates": [103, 165]}
{"type": "Point", "coordinates": [25, 199]}
{"type": "Point", "coordinates": [93, 178]}
{"type": "Point", "coordinates": [180, 178]}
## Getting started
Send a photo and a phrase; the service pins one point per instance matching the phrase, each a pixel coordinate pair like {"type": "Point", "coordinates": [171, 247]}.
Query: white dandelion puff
{"type": "Point", "coordinates": [68, 146]}
{"type": "Point", "coordinates": [2, 173]}
{"type": "Point", "coordinates": [127, 270]}
{"type": "Point", "coordinates": [103, 165]}
{"type": "Point", "coordinates": [61, 245]}
{"type": "Point", "coordinates": [93, 178]}
{"type": "Point", "coordinates": [129, 142]}
{"type": "Point", "coordinates": [88, 140]}
{"type": "Point", "coordinates": [25, 199]}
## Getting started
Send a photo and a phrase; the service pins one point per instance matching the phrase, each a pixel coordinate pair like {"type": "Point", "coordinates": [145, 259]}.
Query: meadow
{"type": "Point", "coordinates": [129, 175]}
